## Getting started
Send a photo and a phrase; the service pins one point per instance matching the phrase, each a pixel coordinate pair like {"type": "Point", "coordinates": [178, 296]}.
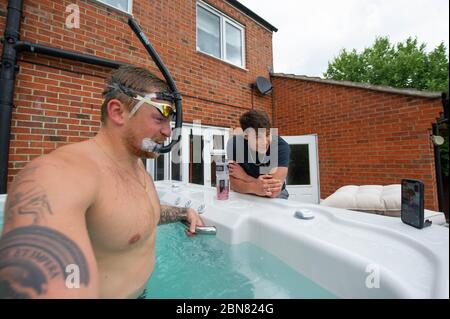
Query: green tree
{"type": "Point", "coordinates": [404, 65]}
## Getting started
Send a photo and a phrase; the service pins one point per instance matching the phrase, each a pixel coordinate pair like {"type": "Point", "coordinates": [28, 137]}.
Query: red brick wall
{"type": "Point", "coordinates": [365, 136]}
{"type": "Point", "coordinates": [58, 101]}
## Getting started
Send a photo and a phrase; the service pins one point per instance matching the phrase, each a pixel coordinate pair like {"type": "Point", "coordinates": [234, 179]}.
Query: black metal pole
{"type": "Point", "coordinates": [445, 106]}
{"type": "Point", "coordinates": [439, 179]}
{"type": "Point", "coordinates": [7, 82]}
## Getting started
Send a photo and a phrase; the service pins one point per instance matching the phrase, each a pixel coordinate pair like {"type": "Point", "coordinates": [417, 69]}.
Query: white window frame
{"type": "Point", "coordinates": [223, 43]}
{"type": "Point", "coordinates": [203, 130]}
{"type": "Point", "coordinates": [130, 6]}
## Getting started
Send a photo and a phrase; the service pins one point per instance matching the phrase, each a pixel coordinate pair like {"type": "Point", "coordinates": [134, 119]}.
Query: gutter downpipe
{"type": "Point", "coordinates": [7, 82]}
{"type": "Point", "coordinates": [437, 153]}
{"type": "Point", "coordinates": [438, 165]}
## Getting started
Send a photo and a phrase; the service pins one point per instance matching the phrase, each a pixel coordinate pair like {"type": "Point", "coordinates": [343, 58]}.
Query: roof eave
{"type": "Point", "coordinates": [252, 15]}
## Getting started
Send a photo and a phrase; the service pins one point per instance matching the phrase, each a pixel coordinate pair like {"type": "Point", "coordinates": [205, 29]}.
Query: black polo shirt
{"type": "Point", "coordinates": [252, 163]}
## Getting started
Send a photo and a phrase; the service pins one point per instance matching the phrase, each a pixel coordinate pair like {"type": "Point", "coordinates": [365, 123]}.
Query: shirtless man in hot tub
{"type": "Point", "coordinates": [81, 221]}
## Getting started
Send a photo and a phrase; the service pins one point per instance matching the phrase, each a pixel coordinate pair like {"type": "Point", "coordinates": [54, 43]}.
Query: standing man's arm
{"type": "Point", "coordinates": [45, 250]}
{"type": "Point", "coordinates": [279, 173]}
{"type": "Point", "coordinates": [241, 182]}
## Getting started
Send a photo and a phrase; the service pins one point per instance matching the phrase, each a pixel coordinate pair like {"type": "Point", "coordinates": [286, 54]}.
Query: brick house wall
{"type": "Point", "coordinates": [365, 136]}
{"type": "Point", "coordinates": [58, 101]}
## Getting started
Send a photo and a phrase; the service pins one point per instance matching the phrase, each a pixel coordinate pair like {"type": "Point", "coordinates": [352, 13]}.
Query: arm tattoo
{"type": "Point", "coordinates": [171, 214]}
{"type": "Point", "coordinates": [33, 256]}
{"type": "Point", "coordinates": [29, 199]}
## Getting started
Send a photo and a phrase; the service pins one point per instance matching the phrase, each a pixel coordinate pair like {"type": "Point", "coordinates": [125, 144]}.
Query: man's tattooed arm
{"type": "Point", "coordinates": [28, 198]}
{"type": "Point", "coordinates": [34, 258]}
{"type": "Point", "coordinates": [38, 257]}
{"type": "Point", "coordinates": [171, 214]}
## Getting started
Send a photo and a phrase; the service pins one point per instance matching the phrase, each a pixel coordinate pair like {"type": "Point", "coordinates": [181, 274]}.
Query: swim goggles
{"type": "Point", "coordinates": [165, 109]}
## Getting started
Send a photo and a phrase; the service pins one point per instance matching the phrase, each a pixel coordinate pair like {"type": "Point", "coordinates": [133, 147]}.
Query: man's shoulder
{"type": "Point", "coordinates": [282, 142]}
{"type": "Point", "coordinates": [76, 156]}
{"type": "Point", "coordinates": [69, 161]}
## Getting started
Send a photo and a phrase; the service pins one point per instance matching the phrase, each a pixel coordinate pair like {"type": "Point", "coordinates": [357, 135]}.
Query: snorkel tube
{"type": "Point", "coordinates": [175, 94]}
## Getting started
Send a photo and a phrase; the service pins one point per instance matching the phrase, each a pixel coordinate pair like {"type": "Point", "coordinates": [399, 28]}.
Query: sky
{"type": "Point", "coordinates": [311, 33]}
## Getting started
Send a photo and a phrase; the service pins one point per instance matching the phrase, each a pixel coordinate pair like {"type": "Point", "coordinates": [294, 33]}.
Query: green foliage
{"type": "Point", "coordinates": [404, 65]}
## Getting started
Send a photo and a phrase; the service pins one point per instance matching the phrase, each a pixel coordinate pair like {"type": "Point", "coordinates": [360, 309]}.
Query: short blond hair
{"type": "Point", "coordinates": [136, 79]}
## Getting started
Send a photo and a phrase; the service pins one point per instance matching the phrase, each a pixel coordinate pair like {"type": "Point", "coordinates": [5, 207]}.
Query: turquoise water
{"type": "Point", "coordinates": [205, 267]}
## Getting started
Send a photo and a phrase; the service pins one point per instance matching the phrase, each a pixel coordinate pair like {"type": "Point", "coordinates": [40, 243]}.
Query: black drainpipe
{"type": "Point", "coordinates": [7, 82]}
{"type": "Point", "coordinates": [437, 158]}
{"type": "Point", "coordinates": [85, 58]}
{"type": "Point", "coordinates": [437, 153]}
{"type": "Point", "coordinates": [12, 46]}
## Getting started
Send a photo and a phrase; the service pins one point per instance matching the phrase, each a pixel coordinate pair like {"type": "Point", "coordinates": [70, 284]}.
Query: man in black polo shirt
{"type": "Point", "coordinates": [258, 159]}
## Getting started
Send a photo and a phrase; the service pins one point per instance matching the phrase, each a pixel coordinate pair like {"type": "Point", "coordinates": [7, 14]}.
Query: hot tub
{"type": "Point", "coordinates": [338, 253]}
{"type": "Point", "coordinates": [350, 254]}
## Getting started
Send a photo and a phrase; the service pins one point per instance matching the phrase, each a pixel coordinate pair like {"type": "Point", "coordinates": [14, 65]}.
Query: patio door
{"type": "Point", "coordinates": [303, 175]}
{"type": "Point", "coordinates": [193, 159]}
{"type": "Point", "coordinates": [214, 150]}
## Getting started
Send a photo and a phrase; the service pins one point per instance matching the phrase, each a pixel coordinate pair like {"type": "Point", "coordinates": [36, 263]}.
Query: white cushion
{"type": "Point", "coordinates": [384, 200]}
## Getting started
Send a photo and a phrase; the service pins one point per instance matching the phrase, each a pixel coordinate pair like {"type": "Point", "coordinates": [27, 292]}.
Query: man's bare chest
{"type": "Point", "coordinates": [123, 215]}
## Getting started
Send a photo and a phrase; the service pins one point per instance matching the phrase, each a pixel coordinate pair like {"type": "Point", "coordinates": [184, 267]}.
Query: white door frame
{"type": "Point", "coordinates": [308, 193]}
{"type": "Point", "coordinates": [208, 150]}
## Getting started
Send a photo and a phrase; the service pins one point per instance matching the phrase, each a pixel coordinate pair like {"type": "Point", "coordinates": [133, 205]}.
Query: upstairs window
{"type": "Point", "coordinates": [220, 36]}
{"type": "Point", "coordinates": [122, 5]}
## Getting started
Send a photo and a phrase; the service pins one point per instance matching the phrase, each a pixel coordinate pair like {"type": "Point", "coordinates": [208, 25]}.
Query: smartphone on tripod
{"type": "Point", "coordinates": [413, 211]}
